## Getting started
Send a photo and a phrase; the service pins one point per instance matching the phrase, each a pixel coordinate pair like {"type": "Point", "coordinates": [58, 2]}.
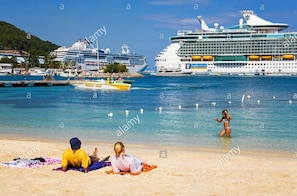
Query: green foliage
{"type": "Point", "coordinates": [50, 63]}
{"type": "Point", "coordinates": [13, 38]}
{"type": "Point", "coordinates": [115, 68]}
{"type": "Point", "coordinates": [12, 60]}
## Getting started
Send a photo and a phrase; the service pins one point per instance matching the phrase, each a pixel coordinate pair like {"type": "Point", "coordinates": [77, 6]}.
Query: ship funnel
{"type": "Point", "coordinates": [252, 19]}
{"type": "Point", "coordinates": [203, 24]}
{"type": "Point", "coordinates": [125, 49]}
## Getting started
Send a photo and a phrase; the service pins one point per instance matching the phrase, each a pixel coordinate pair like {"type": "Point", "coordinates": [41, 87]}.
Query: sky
{"type": "Point", "coordinates": [144, 25]}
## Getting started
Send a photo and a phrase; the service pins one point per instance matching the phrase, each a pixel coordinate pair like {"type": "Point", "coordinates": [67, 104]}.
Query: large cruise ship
{"type": "Point", "coordinates": [256, 47]}
{"type": "Point", "coordinates": [87, 58]}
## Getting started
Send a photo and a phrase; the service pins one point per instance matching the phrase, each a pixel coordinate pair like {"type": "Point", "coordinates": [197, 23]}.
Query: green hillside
{"type": "Point", "coordinates": [13, 38]}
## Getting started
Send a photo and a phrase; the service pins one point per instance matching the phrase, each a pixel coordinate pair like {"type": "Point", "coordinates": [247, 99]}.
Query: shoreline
{"type": "Point", "coordinates": [94, 75]}
{"type": "Point", "coordinates": [60, 141]}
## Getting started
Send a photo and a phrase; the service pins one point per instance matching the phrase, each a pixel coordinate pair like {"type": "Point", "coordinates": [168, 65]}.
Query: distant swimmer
{"type": "Point", "coordinates": [226, 118]}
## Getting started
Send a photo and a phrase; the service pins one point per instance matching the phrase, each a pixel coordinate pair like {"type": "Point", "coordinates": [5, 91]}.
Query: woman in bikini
{"type": "Point", "coordinates": [226, 117]}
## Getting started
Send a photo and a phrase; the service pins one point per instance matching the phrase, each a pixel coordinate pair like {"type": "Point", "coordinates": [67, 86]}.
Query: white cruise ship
{"type": "Point", "coordinates": [86, 58]}
{"type": "Point", "coordinates": [256, 47]}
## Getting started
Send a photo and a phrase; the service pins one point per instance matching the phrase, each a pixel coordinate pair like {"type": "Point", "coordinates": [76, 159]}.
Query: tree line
{"type": "Point", "coordinates": [13, 38]}
{"type": "Point", "coordinates": [32, 48]}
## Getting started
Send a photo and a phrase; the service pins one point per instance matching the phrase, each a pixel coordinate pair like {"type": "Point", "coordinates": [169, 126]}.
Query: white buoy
{"type": "Point", "coordinates": [127, 112]}
{"type": "Point", "coordinates": [213, 103]}
{"type": "Point", "coordinates": [229, 102]}
{"type": "Point", "coordinates": [273, 97]}
{"type": "Point", "coordinates": [290, 101]}
{"type": "Point", "coordinates": [179, 107]}
{"type": "Point", "coordinates": [197, 105]}
{"type": "Point", "coordinates": [258, 101]}
{"type": "Point", "coordinates": [248, 96]}
{"type": "Point", "coordinates": [110, 114]}
{"type": "Point", "coordinates": [141, 111]}
{"type": "Point", "coordinates": [160, 109]}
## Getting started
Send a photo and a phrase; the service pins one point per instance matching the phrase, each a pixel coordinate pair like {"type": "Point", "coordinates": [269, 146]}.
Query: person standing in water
{"type": "Point", "coordinates": [226, 118]}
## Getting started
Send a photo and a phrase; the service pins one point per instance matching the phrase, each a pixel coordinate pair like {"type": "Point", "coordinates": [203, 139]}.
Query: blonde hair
{"type": "Point", "coordinates": [118, 148]}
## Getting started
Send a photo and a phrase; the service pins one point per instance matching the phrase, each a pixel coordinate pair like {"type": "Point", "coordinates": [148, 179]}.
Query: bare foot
{"type": "Point", "coordinates": [95, 155]}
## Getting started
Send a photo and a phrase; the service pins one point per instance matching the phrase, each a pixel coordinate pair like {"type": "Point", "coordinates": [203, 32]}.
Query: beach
{"type": "Point", "coordinates": [188, 171]}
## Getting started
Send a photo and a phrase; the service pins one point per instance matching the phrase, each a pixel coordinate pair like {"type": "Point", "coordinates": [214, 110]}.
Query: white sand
{"type": "Point", "coordinates": [182, 172]}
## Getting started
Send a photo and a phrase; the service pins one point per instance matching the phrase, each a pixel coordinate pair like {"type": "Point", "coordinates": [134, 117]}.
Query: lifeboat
{"type": "Point", "coordinates": [254, 57]}
{"type": "Point", "coordinates": [207, 58]}
{"type": "Point", "coordinates": [288, 56]}
{"type": "Point", "coordinates": [266, 57]}
{"type": "Point", "coordinates": [196, 58]}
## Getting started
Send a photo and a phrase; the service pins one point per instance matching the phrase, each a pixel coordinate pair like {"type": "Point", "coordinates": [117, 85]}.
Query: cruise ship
{"type": "Point", "coordinates": [86, 58]}
{"type": "Point", "coordinates": [253, 47]}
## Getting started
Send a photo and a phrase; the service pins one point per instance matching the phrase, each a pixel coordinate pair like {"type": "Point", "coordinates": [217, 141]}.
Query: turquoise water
{"type": "Point", "coordinates": [63, 112]}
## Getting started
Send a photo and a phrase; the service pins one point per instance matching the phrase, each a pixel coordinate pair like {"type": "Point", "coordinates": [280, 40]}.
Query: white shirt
{"type": "Point", "coordinates": [126, 163]}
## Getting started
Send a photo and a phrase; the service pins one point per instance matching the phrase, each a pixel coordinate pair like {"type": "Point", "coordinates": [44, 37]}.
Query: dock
{"type": "Point", "coordinates": [32, 83]}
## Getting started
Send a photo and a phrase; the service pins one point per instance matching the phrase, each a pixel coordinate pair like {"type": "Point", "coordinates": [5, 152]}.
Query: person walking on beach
{"type": "Point", "coordinates": [226, 118]}
{"type": "Point", "coordinates": [122, 162]}
{"type": "Point", "coordinates": [76, 157]}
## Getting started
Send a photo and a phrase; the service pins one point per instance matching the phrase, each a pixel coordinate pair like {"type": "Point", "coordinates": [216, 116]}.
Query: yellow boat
{"type": "Point", "coordinates": [100, 85]}
{"type": "Point", "coordinates": [288, 56]}
{"type": "Point", "coordinates": [207, 58]}
{"type": "Point", "coordinates": [265, 57]}
{"type": "Point", "coordinates": [196, 58]}
{"type": "Point", "coordinates": [254, 57]}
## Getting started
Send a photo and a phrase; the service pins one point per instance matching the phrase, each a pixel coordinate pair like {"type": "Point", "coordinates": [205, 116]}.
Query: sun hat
{"type": "Point", "coordinates": [75, 143]}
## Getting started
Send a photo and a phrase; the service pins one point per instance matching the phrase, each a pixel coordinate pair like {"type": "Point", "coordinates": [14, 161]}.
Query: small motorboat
{"type": "Point", "coordinates": [101, 84]}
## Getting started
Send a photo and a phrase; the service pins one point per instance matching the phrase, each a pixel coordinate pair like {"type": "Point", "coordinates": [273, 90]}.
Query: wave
{"type": "Point", "coordinates": [143, 88]}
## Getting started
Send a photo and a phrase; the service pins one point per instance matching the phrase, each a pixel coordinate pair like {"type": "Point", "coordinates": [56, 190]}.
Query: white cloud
{"type": "Point", "coordinates": [173, 22]}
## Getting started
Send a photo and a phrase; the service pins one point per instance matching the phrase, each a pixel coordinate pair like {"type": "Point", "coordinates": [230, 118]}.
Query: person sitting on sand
{"type": "Point", "coordinates": [122, 162]}
{"type": "Point", "coordinates": [76, 157]}
{"type": "Point", "coordinates": [226, 118]}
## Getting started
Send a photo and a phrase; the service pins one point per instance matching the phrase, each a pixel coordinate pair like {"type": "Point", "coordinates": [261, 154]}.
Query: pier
{"type": "Point", "coordinates": [31, 83]}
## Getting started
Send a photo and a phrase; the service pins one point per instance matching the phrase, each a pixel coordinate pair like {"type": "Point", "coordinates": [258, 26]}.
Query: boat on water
{"type": "Point", "coordinates": [256, 47]}
{"type": "Point", "coordinates": [5, 69]}
{"type": "Point", "coordinates": [4, 73]}
{"type": "Point", "coordinates": [87, 58]}
{"type": "Point", "coordinates": [101, 84]}
{"type": "Point", "coordinates": [68, 73]}
{"type": "Point", "coordinates": [37, 72]}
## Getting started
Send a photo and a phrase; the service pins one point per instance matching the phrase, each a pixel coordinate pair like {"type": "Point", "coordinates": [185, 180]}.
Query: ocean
{"type": "Point", "coordinates": [161, 111]}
